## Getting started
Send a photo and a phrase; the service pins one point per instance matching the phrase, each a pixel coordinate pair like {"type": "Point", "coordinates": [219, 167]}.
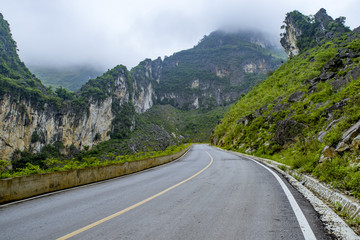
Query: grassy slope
{"type": "Point", "coordinates": [303, 152]}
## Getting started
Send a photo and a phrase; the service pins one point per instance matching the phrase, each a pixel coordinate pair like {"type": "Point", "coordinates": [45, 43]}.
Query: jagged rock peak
{"type": "Point", "coordinates": [323, 19]}
{"type": "Point", "coordinates": [304, 32]}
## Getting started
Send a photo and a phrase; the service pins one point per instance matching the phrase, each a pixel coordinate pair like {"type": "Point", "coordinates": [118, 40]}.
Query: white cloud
{"type": "Point", "coordinates": [111, 32]}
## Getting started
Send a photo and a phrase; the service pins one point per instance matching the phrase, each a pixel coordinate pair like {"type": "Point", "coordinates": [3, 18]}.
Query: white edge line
{"type": "Point", "coordinates": [304, 225]}
{"type": "Point", "coordinates": [333, 223]}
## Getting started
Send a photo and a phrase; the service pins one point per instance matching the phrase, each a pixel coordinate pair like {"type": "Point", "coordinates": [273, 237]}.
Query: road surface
{"type": "Point", "coordinates": [206, 194]}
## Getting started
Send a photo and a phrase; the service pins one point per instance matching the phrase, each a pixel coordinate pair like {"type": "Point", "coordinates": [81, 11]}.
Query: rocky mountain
{"type": "Point", "coordinates": [214, 73]}
{"type": "Point", "coordinates": [306, 114]}
{"type": "Point", "coordinates": [304, 32]}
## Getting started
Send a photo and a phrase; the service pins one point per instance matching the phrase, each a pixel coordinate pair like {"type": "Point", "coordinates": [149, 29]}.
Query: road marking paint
{"type": "Point", "coordinates": [72, 234]}
{"type": "Point", "coordinates": [304, 225]}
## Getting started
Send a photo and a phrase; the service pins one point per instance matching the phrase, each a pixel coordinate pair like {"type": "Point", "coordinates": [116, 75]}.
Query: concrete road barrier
{"type": "Point", "coordinates": [17, 188]}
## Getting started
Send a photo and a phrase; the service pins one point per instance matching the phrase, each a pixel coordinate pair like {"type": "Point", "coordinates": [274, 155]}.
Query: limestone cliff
{"type": "Point", "coordinates": [145, 76]}
{"type": "Point", "coordinates": [24, 127]}
{"type": "Point", "coordinates": [290, 37]}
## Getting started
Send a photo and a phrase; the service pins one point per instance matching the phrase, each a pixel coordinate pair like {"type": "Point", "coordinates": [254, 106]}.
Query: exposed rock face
{"type": "Point", "coordinates": [349, 140]}
{"type": "Point", "coordinates": [323, 19]}
{"type": "Point", "coordinates": [19, 121]}
{"type": "Point", "coordinates": [296, 96]}
{"type": "Point", "coordinates": [245, 120]}
{"type": "Point", "coordinates": [287, 130]}
{"type": "Point", "coordinates": [144, 99]}
{"type": "Point", "coordinates": [144, 76]}
{"type": "Point", "coordinates": [290, 37]}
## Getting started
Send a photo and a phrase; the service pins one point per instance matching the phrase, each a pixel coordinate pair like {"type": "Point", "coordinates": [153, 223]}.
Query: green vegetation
{"type": "Point", "coordinates": [192, 125]}
{"type": "Point", "coordinates": [266, 123]}
{"type": "Point", "coordinates": [86, 160]}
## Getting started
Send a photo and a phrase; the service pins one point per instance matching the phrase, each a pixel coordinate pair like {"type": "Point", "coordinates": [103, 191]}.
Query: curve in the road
{"type": "Point", "coordinates": [224, 196]}
{"type": "Point", "coordinates": [72, 234]}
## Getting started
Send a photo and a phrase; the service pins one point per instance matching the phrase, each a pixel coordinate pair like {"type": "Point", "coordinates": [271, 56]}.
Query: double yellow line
{"type": "Point", "coordinates": [72, 234]}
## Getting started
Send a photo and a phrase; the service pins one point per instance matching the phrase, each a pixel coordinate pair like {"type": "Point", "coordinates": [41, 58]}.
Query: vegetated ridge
{"type": "Point", "coordinates": [304, 32]}
{"type": "Point", "coordinates": [156, 104]}
{"type": "Point", "coordinates": [306, 114]}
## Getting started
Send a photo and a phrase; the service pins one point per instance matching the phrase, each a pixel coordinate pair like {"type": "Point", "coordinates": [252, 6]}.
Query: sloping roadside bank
{"type": "Point", "coordinates": [312, 190]}
{"type": "Point", "coordinates": [17, 188]}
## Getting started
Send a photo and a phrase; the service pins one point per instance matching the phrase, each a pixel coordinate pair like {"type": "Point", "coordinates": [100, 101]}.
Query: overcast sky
{"type": "Point", "coordinates": [111, 32]}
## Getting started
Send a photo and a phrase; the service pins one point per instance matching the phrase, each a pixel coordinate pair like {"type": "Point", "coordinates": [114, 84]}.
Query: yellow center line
{"type": "Point", "coordinates": [133, 206]}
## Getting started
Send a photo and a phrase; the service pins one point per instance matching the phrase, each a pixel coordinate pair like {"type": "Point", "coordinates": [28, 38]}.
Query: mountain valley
{"type": "Point", "coordinates": [156, 104]}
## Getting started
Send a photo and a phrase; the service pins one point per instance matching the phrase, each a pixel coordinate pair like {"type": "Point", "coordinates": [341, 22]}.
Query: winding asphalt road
{"type": "Point", "coordinates": [206, 194]}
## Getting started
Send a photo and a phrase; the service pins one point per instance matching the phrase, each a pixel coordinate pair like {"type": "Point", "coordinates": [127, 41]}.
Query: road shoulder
{"type": "Point", "coordinates": [333, 223]}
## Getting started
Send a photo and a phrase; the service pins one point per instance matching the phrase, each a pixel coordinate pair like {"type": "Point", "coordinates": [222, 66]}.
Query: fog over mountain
{"type": "Point", "coordinates": [110, 32]}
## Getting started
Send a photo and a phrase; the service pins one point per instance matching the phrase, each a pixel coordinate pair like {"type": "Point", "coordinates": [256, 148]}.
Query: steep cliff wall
{"type": "Point", "coordinates": [291, 35]}
{"type": "Point", "coordinates": [145, 76]}
{"type": "Point", "coordinates": [24, 127]}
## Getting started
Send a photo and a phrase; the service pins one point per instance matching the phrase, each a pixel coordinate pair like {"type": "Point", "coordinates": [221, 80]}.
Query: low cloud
{"type": "Point", "coordinates": [105, 33]}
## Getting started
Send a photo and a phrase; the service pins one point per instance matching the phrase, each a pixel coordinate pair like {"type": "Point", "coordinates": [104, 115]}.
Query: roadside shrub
{"type": "Point", "coordinates": [52, 164]}
{"type": "Point", "coordinates": [352, 182]}
{"type": "Point", "coordinates": [333, 170]}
